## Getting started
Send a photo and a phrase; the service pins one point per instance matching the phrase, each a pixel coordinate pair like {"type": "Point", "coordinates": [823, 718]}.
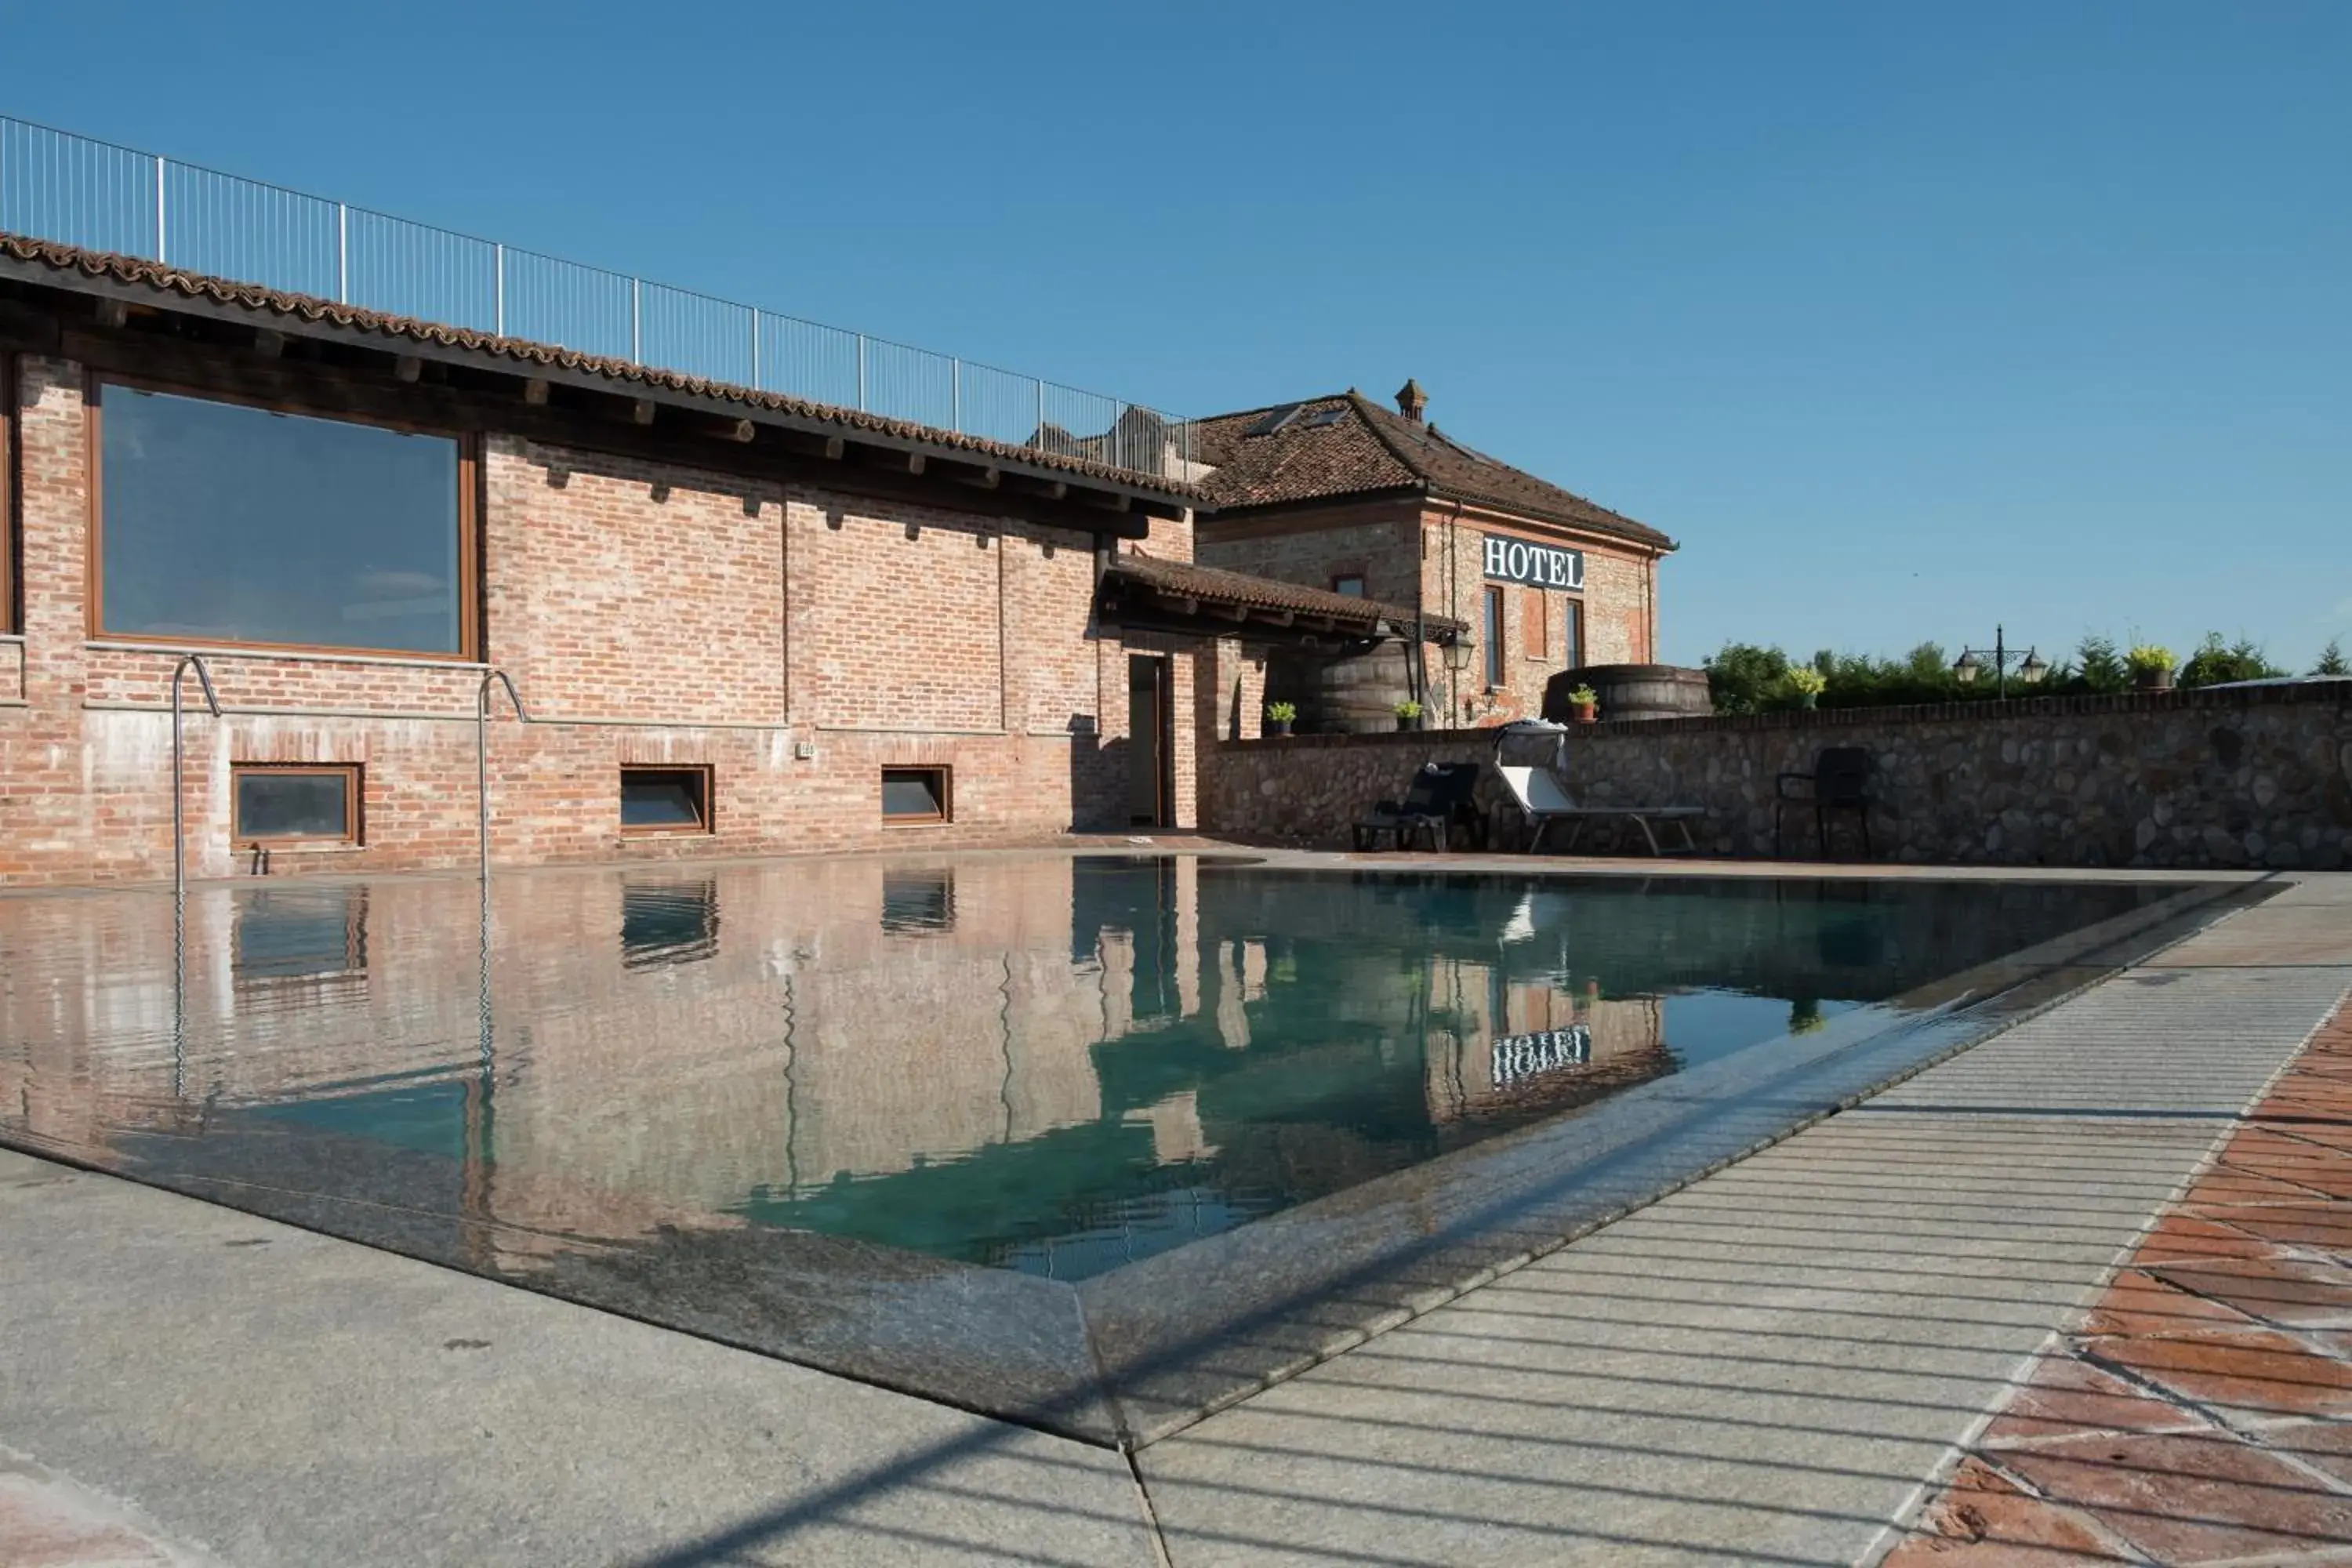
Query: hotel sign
{"type": "Point", "coordinates": [1538, 565]}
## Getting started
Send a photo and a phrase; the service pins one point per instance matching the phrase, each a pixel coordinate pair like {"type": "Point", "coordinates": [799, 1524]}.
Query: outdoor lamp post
{"type": "Point", "coordinates": [1973, 661]}
{"type": "Point", "coordinates": [1457, 659]}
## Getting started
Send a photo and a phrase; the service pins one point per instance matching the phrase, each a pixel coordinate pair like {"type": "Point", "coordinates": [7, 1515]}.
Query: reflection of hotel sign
{"type": "Point", "coordinates": [1538, 565]}
{"type": "Point", "coordinates": [1517, 1057]}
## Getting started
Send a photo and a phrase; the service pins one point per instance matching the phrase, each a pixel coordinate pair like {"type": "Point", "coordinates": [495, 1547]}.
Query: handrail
{"type": "Point", "coordinates": [179, 764]}
{"type": "Point", "coordinates": [482, 750]}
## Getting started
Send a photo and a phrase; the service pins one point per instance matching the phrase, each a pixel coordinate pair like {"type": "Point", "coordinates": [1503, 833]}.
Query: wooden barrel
{"type": "Point", "coordinates": [1631, 691]}
{"type": "Point", "coordinates": [1355, 695]}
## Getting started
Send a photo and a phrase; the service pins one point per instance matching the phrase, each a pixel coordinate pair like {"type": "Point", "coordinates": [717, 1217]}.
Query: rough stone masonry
{"type": "Point", "coordinates": [2258, 777]}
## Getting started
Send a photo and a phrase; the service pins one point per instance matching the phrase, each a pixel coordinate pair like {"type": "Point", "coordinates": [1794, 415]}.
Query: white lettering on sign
{"type": "Point", "coordinates": [1518, 1057]}
{"type": "Point", "coordinates": [1537, 565]}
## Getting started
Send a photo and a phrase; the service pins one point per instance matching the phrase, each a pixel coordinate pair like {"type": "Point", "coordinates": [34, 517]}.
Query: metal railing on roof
{"type": "Point", "coordinates": [75, 190]}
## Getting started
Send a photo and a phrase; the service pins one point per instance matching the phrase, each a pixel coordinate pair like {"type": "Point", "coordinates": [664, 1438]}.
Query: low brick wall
{"type": "Point", "coordinates": [2258, 777]}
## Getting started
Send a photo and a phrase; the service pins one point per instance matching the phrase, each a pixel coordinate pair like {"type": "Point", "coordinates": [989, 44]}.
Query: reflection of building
{"type": "Point", "coordinates": [1516, 1046]}
{"type": "Point", "coordinates": [977, 1059]}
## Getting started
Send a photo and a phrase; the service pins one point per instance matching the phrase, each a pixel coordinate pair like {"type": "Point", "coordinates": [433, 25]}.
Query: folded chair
{"type": "Point", "coordinates": [1439, 801]}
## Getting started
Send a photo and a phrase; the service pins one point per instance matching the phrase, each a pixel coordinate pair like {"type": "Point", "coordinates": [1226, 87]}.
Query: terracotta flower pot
{"type": "Point", "coordinates": [1586, 712]}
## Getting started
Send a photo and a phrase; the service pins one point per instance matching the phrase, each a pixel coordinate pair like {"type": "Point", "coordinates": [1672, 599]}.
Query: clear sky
{"type": "Point", "coordinates": [1904, 320]}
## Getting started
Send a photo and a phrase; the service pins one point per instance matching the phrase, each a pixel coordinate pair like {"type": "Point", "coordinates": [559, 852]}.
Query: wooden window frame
{"type": "Point", "coordinates": [11, 496]}
{"type": "Point", "coordinates": [354, 804]}
{"type": "Point", "coordinates": [706, 786]}
{"type": "Point", "coordinates": [470, 508]}
{"type": "Point", "coordinates": [1571, 651]}
{"type": "Point", "coordinates": [1497, 632]}
{"type": "Point", "coordinates": [946, 792]}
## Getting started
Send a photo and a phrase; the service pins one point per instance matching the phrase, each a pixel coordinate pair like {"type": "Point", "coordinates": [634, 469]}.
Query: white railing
{"type": "Point", "coordinates": [76, 191]}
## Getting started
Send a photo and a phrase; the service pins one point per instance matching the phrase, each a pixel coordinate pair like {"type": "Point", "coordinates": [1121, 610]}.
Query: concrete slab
{"type": "Point", "coordinates": [269, 1396]}
{"type": "Point", "coordinates": [1767, 1365]}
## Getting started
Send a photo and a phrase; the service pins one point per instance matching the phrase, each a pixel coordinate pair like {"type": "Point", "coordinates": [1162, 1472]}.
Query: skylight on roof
{"type": "Point", "coordinates": [1274, 421]}
{"type": "Point", "coordinates": [1323, 416]}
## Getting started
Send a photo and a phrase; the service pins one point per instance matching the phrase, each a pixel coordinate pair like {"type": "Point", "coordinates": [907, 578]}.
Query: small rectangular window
{"type": "Point", "coordinates": [915, 795]}
{"type": "Point", "coordinates": [666, 800]}
{"type": "Point", "coordinates": [1494, 638]}
{"type": "Point", "coordinates": [1535, 624]}
{"type": "Point", "coordinates": [1572, 614]}
{"type": "Point", "coordinates": [273, 802]}
{"type": "Point", "coordinates": [1352, 586]}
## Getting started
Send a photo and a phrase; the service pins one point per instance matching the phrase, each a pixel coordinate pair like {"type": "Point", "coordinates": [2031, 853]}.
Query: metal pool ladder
{"type": "Point", "coordinates": [179, 765]}
{"type": "Point", "coordinates": [482, 748]}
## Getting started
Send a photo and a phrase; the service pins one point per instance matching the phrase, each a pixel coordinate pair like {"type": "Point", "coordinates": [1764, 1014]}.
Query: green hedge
{"type": "Point", "coordinates": [1745, 679]}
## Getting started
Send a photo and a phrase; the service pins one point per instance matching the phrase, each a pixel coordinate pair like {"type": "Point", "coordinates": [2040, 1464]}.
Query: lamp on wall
{"type": "Point", "coordinates": [1458, 654]}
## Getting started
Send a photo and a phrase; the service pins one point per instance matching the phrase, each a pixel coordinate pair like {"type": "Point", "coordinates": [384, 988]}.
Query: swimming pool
{"type": "Point", "coordinates": [949, 1124]}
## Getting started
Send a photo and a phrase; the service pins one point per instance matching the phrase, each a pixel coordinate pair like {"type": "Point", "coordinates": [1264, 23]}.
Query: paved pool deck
{"type": "Point", "coordinates": [1829, 1353]}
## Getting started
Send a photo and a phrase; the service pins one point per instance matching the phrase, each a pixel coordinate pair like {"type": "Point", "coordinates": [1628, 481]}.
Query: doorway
{"type": "Point", "coordinates": [1149, 740]}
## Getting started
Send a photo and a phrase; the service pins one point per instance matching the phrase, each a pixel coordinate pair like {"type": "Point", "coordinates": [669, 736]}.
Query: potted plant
{"type": "Point", "coordinates": [1278, 716]}
{"type": "Point", "coordinates": [1585, 703]}
{"type": "Point", "coordinates": [1408, 714]}
{"type": "Point", "coordinates": [2151, 666]}
{"type": "Point", "coordinates": [1808, 683]}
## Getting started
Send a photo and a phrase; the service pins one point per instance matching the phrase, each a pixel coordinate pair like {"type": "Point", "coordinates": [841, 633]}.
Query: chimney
{"type": "Point", "coordinates": [1412, 402]}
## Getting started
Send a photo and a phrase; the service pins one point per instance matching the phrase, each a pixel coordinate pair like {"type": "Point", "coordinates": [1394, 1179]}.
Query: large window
{"type": "Point", "coordinates": [223, 523]}
{"type": "Point", "coordinates": [1572, 614]}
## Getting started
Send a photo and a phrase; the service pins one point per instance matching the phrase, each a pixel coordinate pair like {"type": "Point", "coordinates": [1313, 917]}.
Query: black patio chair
{"type": "Point", "coordinates": [1441, 799]}
{"type": "Point", "coordinates": [1840, 782]}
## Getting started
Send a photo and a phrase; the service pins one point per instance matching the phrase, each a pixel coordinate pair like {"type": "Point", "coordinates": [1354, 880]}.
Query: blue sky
{"type": "Point", "coordinates": [1905, 320]}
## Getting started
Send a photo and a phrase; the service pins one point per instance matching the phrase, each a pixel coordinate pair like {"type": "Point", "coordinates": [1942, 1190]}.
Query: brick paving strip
{"type": "Point", "coordinates": [2201, 1413]}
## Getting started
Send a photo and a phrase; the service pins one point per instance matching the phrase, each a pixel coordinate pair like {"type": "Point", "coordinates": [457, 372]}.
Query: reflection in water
{"type": "Point", "coordinates": [299, 933]}
{"type": "Point", "coordinates": [1046, 1063]}
{"type": "Point", "coordinates": [918, 902]}
{"type": "Point", "coordinates": [668, 924]}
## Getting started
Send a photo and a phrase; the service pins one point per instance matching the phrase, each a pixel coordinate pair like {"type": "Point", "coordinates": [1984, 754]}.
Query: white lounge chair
{"type": "Point", "coordinates": [1543, 799]}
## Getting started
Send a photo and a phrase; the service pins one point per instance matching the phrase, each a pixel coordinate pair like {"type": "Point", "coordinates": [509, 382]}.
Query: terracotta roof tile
{"type": "Point", "coordinates": [1349, 445]}
{"type": "Point", "coordinates": [177, 281]}
{"type": "Point", "coordinates": [1215, 585]}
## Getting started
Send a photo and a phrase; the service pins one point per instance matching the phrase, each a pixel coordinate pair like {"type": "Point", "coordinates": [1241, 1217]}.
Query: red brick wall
{"type": "Point", "coordinates": [795, 641]}
{"type": "Point", "coordinates": [1402, 550]}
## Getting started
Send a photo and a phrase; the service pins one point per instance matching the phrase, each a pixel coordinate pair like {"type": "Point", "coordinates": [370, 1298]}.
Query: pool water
{"type": "Point", "coordinates": [1047, 1063]}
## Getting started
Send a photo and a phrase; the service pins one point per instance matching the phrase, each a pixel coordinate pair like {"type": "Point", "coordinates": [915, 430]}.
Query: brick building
{"type": "Point", "coordinates": [1346, 495]}
{"type": "Point", "coordinates": [740, 622]}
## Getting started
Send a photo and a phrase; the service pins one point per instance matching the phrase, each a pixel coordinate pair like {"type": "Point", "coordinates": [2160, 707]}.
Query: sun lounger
{"type": "Point", "coordinates": [1542, 799]}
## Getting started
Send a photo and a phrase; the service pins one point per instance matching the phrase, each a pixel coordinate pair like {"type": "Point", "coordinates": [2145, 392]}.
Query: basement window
{"type": "Point", "coordinates": [915, 795]}
{"type": "Point", "coordinates": [666, 800]}
{"type": "Point", "coordinates": [273, 802]}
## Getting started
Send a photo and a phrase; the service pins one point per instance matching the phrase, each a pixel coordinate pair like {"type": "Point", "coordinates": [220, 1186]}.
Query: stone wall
{"type": "Point", "coordinates": [2258, 777]}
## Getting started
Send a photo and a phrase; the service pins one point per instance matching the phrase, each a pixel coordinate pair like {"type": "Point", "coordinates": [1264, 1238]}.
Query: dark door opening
{"type": "Point", "coordinates": [1148, 748]}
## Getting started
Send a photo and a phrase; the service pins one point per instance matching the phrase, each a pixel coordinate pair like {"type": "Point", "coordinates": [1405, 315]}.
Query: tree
{"type": "Point", "coordinates": [1745, 679]}
{"type": "Point", "coordinates": [2215, 662]}
{"type": "Point", "coordinates": [2102, 665]}
{"type": "Point", "coordinates": [2332, 661]}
